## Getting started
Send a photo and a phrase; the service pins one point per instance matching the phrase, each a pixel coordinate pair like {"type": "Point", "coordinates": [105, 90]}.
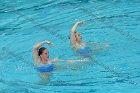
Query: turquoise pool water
{"type": "Point", "coordinates": [24, 23]}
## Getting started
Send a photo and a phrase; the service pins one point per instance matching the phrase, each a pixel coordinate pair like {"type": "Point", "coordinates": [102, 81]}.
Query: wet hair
{"type": "Point", "coordinates": [74, 33]}
{"type": "Point", "coordinates": [41, 50]}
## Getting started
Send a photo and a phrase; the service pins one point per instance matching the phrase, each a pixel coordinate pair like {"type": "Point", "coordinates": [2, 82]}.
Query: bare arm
{"type": "Point", "coordinates": [101, 43]}
{"type": "Point", "coordinates": [72, 33]}
{"type": "Point", "coordinates": [60, 60]}
{"type": "Point", "coordinates": [36, 47]}
{"type": "Point", "coordinates": [82, 60]}
{"type": "Point", "coordinates": [90, 43]}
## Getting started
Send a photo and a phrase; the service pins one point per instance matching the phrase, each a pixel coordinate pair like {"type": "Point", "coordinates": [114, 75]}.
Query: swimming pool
{"type": "Point", "coordinates": [26, 22]}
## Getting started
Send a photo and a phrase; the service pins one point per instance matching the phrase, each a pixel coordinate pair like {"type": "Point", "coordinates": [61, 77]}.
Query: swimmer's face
{"type": "Point", "coordinates": [78, 37]}
{"type": "Point", "coordinates": [45, 54]}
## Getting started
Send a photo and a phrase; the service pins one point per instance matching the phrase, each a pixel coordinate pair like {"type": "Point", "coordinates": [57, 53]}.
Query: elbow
{"type": "Point", "coordinates": [73, 30]}
{"type": "Point", "coordinates": [35, 47]}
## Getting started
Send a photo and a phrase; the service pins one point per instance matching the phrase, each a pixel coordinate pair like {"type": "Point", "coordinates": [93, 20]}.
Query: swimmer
{"type": "Point", "coordinates": [41, 59]}
{"type": "Point", "coordinates": [76, 42]}
{"type": "Point", "coordinates": [41, 55]}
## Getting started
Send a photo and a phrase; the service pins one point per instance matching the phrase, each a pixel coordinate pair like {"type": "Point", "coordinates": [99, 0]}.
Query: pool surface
{"type": "Point", "coordinates": [24, 23]}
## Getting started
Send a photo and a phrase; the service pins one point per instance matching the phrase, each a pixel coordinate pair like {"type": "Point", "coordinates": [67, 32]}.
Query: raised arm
{"type": "Point", "coordinates": [72, 33]}
{"type": "Point", "coordinates": [36, 47]}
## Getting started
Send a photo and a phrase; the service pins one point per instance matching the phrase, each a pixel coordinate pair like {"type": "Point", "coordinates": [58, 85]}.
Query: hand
{"type": "Point", "coordinates": [81, 22]}
{"type": "Point", "coordinates": [48, 42]}
{"type": "Point", "coordinates": [84, 60]}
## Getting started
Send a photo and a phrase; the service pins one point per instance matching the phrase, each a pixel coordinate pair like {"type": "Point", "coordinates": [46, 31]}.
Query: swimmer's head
{"type": "Point", "coordinates": [78, 37]}
{"type": "Point", "coordinates": [43, 53]}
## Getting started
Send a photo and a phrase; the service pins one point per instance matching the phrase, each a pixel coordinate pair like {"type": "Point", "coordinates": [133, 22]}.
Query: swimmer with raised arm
{"type": "Point", "coordinates": [41, 56]}
{"type": "Point", "coordinates": [42, 62]}
{"type": "Point", "coordinates": [76, 42]}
